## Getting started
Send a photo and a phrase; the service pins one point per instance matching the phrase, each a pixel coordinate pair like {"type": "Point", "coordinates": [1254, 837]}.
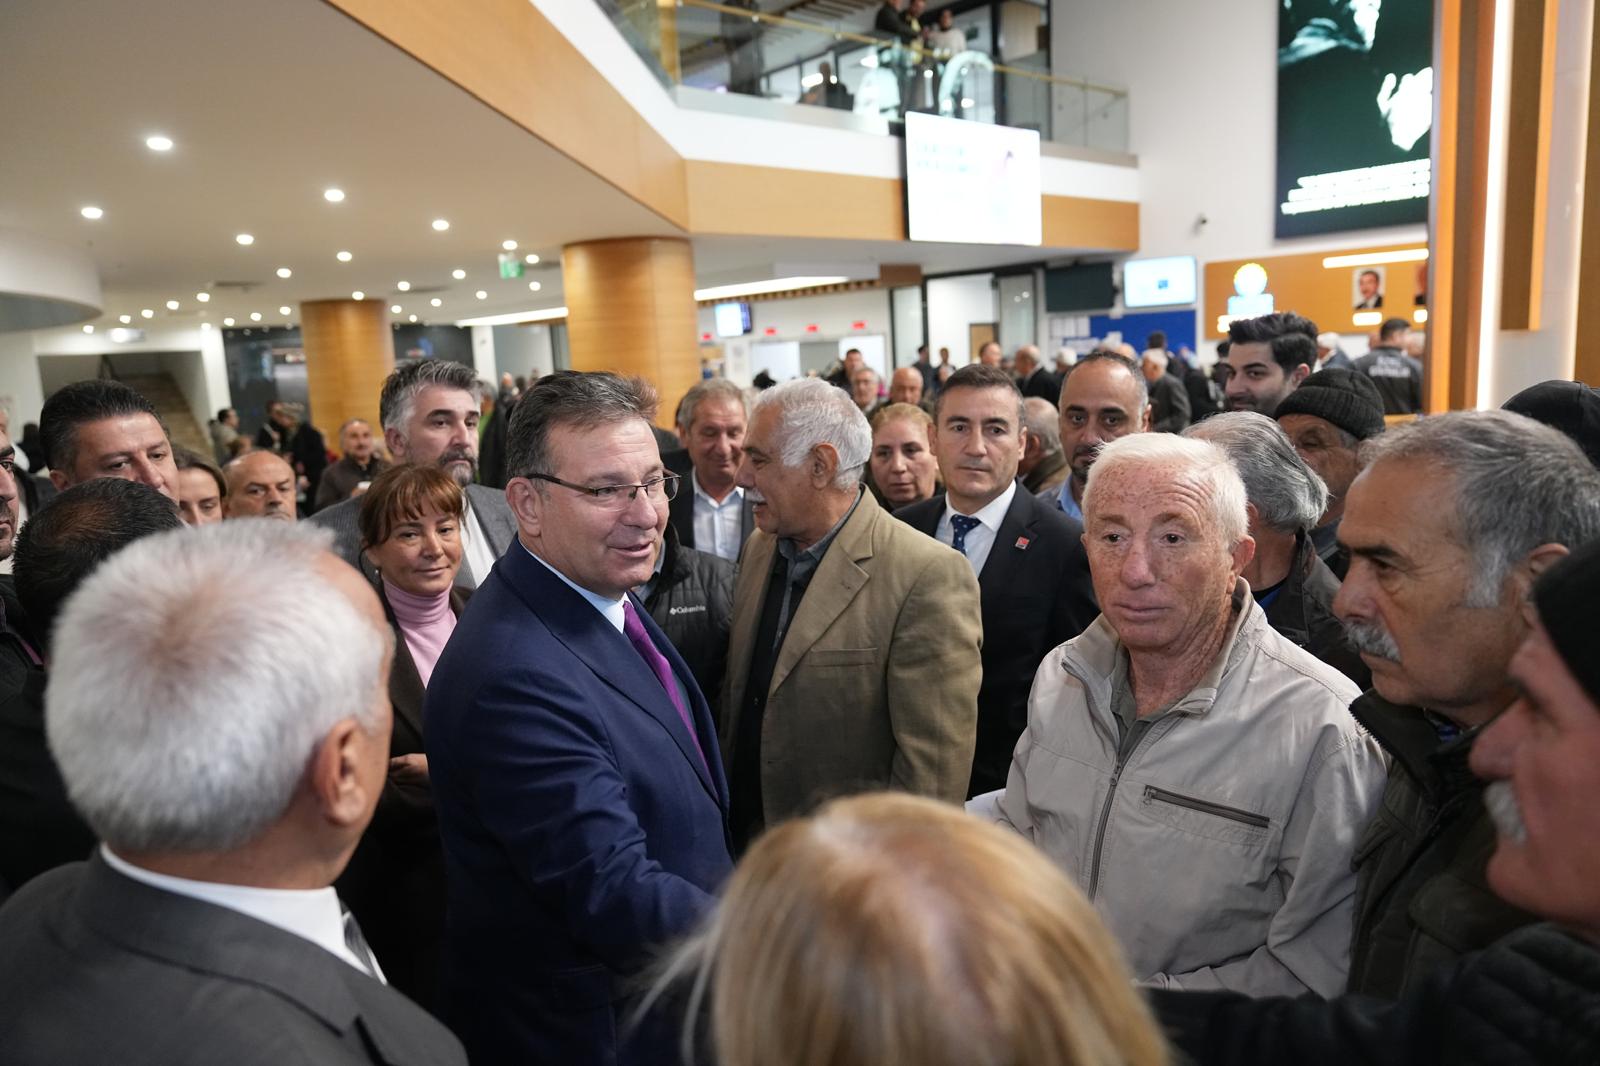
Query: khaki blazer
{"type": "Point", "coordinates": [876, 685]}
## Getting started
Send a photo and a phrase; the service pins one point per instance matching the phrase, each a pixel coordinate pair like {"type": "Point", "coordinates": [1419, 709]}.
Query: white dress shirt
{"type": "Point", "coordinates": [718, 527]}
{"type": "Point", "coordinates": [311, 914]}
{"type": "Point", "coordinates": [477, 555]}
{"type": "Point", "coordinates": [981, 538]}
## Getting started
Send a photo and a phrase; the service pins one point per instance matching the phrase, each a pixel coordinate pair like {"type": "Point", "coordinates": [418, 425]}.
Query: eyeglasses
{"type": "Point", "coordinates": [659, 488]}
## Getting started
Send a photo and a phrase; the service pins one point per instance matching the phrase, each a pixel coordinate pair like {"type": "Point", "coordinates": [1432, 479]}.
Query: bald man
{"type": "Point", "coordinates": [260, 485]}
{"type": "Point", "coordinates": [905, 386]}
{"type": "Point", "coordinates": [1033, 379]}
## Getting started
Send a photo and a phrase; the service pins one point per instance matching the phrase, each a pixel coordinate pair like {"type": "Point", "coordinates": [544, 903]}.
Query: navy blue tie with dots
{"type": "Point", "coordinates": [962, 525]}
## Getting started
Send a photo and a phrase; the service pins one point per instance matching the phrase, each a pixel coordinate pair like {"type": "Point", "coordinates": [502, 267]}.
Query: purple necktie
{"type": "Point", "coordinates": [634, 629]}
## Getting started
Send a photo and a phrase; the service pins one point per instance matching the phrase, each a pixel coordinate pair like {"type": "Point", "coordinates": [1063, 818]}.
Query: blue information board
{"type": "Point", "coordinates": [1136, 327]}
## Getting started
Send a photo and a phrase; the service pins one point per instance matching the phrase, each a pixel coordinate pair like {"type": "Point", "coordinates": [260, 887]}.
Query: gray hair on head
{"type": "Point", "coordinates": [399, 396]}
{"type": "Point", "coordinates": [813, 412]}
{"type": "Point", "coordinates": [1287, 494]}
{"type": "Point", "coordinates": [571, 398]}
{"type": "Point", "coordinates": [1043, 423]}
{"type": "Point", "coordinates": [710, 389]}
{"type": "Point", "coordinates": [181, 714]}
{"type": "Point", "coordinates": [1519, 484]}
{"type": "Point", "coordinates": [1179, 459]}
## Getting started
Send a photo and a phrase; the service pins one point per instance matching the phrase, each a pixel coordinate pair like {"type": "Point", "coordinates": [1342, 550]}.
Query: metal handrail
{"type": "Point", "coordinates": [859, 38]}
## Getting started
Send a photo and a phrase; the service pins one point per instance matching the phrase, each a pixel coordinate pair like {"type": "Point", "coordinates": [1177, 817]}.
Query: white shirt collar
{"type": "Point", "coordinates": [736, 496]}
{"type": "Point", "coordinates": [612, 610]}
{"type": "Point", "coordinates": [311, 914]}
{"type": "Point", "coordinates": [992, 513]}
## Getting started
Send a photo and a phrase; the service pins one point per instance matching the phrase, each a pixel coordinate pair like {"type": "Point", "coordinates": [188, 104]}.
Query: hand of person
{"type": "Point", "coordinates": [409, 769]}
{"type": "Point", "coordinates": [1407, 106]}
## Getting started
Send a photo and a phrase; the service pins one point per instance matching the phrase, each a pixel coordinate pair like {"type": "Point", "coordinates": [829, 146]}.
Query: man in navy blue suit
{"type": "Point", "coordinates": [574, 761]}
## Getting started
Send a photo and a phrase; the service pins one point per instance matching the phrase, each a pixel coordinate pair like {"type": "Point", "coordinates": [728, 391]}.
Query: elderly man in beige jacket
{"type": "Point", "coordinates": [1199, 775]}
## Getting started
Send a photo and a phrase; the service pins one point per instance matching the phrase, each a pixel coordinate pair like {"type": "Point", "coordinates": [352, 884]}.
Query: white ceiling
{"type": "Point", "coordinates": [269, 104]}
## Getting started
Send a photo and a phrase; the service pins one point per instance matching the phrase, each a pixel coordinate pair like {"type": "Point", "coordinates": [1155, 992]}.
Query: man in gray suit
{"type": "Point", "coordinates": [429, 411]}
{"type": "Point", "coordinates": [229, 764]}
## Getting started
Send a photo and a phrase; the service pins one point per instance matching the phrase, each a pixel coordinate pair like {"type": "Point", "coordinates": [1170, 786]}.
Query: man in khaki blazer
{"type": "Point", "coordinates": [855, 657]}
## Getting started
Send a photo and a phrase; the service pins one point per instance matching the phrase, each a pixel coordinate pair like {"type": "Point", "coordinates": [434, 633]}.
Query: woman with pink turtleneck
{"type": "Point", "coordinates": [410, 530]}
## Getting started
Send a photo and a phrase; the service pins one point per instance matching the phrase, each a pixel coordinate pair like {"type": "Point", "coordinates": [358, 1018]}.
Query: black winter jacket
{"type": "Point", "coordinates": [1303, 612]}
{"type": "Point", "coordinates": [692, 601]}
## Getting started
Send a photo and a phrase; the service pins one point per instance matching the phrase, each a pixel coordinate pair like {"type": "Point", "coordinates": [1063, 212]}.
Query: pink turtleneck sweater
{"type": "Point", "coordinates": [425, 621]}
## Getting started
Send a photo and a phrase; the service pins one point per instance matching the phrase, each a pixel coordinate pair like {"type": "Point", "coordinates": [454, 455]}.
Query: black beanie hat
{"type": "Point", "coordinates": [1565, 596]}
{"type": "Point", "coordinates": [1347, 398]}
{"type": "Point", "coordinates": [1569, 406]}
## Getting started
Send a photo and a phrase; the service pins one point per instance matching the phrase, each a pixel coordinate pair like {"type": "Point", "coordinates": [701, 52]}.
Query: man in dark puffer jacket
{"type": "Point", "coordinates": [691, 599]}
{"type": "Point", "coordinates": [1534, 996]}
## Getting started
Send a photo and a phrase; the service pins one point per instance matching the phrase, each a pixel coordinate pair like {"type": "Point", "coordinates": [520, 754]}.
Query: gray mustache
{"type": "Point", "coordinates": [1372, 639]}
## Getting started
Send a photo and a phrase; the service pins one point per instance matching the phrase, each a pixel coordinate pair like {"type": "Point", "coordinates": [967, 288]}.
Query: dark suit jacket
{"type": "Point", "coordinates": [581, 827]}
{"type": "Point", "coordinates": [1035, 597]}
{"type": "Point", "coordinates": [394, 883]}
{"type": "Point", "coordinates": [100, 968]}
{"type": "Point", "coordinates": [1043, 384]}
{"type": "Point", "coordinates": [39, 827]}
{"type": "Point", "coordinates": [489, 507]}
{"type": "Point", "coordinates": [680, 512]}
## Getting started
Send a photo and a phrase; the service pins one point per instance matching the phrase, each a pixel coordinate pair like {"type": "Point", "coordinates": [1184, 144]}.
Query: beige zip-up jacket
{"type": "Point", "coordinates": [1218, 848]}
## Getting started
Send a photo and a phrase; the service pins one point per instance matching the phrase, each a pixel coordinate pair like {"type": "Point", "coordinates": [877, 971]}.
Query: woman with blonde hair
{"type": "Point", "coordinates": [890, 930]}
{"type": "Point", "coordinates": [902, 468]}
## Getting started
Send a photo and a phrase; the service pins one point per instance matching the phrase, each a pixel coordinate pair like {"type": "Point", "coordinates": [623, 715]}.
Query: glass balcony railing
{"type": "Point", "coordinates": [989, 64]}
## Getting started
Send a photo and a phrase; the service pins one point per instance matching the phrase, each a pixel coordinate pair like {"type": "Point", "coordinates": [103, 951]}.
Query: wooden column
{"type": "Point", "coordinates": [1532, 88]}
{"type": "Point", "coordinates": [1587, 362]}
{"type": "Point", "coordinates": [349, 351]}
{"type": "Point", "coordinates": [631, 310]}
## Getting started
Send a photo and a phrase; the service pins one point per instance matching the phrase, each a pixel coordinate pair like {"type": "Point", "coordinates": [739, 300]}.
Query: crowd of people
{"type": "Point", "coordinates": [1095, 715]}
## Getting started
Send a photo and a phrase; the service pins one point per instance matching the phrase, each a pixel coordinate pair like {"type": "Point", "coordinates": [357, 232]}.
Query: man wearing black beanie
{"type": "Point", "coordinates": [1327, 418]}
{"type": "Point", "coordinates": [1569, 406]}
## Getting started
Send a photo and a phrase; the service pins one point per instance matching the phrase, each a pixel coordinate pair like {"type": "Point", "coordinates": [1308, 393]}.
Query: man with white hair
{"type": "Point", "coordinates": [1043, 466]}
{"type": "Point", "coordinates": [1286, 498]}
{"type": "Point", "coordinates": [854, 662]}
{"type": "Point", "coordinates": [1195, 772]}
{"type": "Point", "coordinates": [229, 764]}
{"type": "Point", "coordinates": [1169, 401]}
{"type": "Point", "coordinates": [1034, 379]}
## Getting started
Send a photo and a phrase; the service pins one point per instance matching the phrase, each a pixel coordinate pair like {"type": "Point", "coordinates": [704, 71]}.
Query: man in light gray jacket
{"type": "Point", "coordinates": [1198, 774]}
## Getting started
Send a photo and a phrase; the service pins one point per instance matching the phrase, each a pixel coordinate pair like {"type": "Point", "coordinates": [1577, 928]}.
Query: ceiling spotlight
{"type": "Point", "coordinates": [285, 272]}
{"type": "Point", "coordinates": [530, 259]}
{"type": "Point", "coordinates": [245, 239]}
{"type": "Point", "coordinates": [480, 294]}
{"type": "Point", "coordinates": [88, 329]}
{"type": "Point", "coordinates": [285, 310]}
{"type": "Point", "coordinates": [509, 246]}
{"type": "Point", "coordinates": [404, 286]}
{"type": "Point", "coordinates": [172, 305]}
{"type": "Point", "coordinates": [344, 257]}
{"type": "Point", "coordinates": [203, 297]}
{"type": "Point", "coordinates": [459, 274]}
{"type": "Point", "coordinates": [227, 322]}
{"type": "Point", "coordinates": [91, 213]}
{"type": "Point", "coordinates": [411, 318]}
{"type": "Point", "coordinates": [124, 319]}
{"type": "Point", "coordinates": [534, 286]}
{"type": "Point", "coordinates": [158, 143]}
{"type": "Point", "coordinates": [255, 316]}
{"type": "Point", "coordinates": [358, 295]}
{"type": "Point", "coordinates": [333, 196]}
{"type": "Point", "coordinates": [436, 302]}
{"type": "Point", "coordinates": [441, 224]}
{"type": "Point", "coordinates": [147, 313]}
{"type": "Point", "coordinates": [205, 327]}
{"type": "Point", "coordinates": [395, 309]}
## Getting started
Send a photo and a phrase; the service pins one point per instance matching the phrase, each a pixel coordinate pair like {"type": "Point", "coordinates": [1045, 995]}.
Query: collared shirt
{"type": "Point", "coordinates": [718, 527]}
{"type": "Point", "coordinates": [981, 537]}
{"type": "Point", "coordinates": [476, 553]}
{"type": "Point", "coordinates": [312, 914]}
{"type": "Point", "coordinates": [803, 564]}
{"type": "Point", "coordinates": [1068, 505]}
{"type": "Point", "coordinates": [609, 608]}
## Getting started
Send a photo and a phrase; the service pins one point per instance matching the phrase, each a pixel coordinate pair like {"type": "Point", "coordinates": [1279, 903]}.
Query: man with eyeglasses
{"type": "Point", "coordinates": [574, 760]}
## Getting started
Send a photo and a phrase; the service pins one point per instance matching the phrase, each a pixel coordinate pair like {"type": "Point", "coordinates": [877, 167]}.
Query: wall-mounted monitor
{"type": "Point", "coordinates": [1085, 287]}
{"type": "Point", "coordinates": [971, 183]}
{"type": "Point", "coordinates": [1166, 282]}
{"type": "Point", "coordinates": [733, 319]}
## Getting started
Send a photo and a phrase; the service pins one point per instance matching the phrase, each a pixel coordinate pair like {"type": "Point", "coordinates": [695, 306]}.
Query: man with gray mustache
{"type": "Point", "coordinates": [1448, 526]}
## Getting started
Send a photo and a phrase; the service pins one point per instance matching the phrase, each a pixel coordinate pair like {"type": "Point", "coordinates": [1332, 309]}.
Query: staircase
{"type": "Point", "coordinates": [169, 402]}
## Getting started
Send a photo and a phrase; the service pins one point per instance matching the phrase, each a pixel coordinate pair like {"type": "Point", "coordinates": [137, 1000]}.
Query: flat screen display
{"type": "Point", "coordinates": [1164, 282]}
{"type": "Point", "coordinates": [1085, 287]}
{"type": "Point", "coordinates": [971, 183]}
{"type": "Point", "coordinates": [733, 319]}
{"type": "Point", "coordinates": [1355, 115]}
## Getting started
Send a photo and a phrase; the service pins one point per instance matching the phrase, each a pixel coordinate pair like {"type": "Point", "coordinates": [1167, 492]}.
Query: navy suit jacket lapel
{"type": "Point", "coordinates": [1005, 563]}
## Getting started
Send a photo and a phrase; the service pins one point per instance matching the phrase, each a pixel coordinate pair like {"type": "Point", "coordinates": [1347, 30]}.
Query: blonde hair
{"type": "Point", "coordinates": [893, 929]}
{"type": "Point", "coordinates": [896, 412]}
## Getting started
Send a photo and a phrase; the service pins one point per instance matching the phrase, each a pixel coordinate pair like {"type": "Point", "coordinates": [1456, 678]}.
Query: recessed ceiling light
{"type": "Point", "coordinates": [344, 257]}
{"type": "Point", "coordinates": [172, 305]}
{"type": "Point", "coordinates": [203, 297]}
{"type": "Point", "coordinates": [147, 313]}
{"type": "Point", "coordinates": [509, 246]}
{"type": "Point", "coordinates": [285, 310]}
{"type": "Point", "coordinates": [459, 274]}
{"type": "Point", "coordinates": [245, 239]}
{"type": "Point", "coordinates": [358, 295]}
{"type": "Point", "coordinates": [333, 196]}
{"type": "Point", "coordinates": [255, 316]}
{"type": "Point", "coordinates": [534, 286]}
{"type": "Point", "coordinates": [441, 224]}
{"type": "Point", "coordinates": [436, 302]}
{"type": "Point", "coordinates": [158, 143]}
{"type": "Point", "coordinates": [530, 259]}
{"type": "Point", "coordinates": [480, 294]}
{"type": "Point", "coordinates": [285, 273]}
{"type": "Point", "coordinates": [124, 319]}
{"type": "Point", "coordinates": [396, 308]}
{"type": "Point", "coordinates": [411, 318]}
{"type": "Point", "coordinates": [91, 212]}
{"type": "Point", "coordinates": [88, 329]}
{"type": "Point", "coordinates": [227, 322]}
{"type": "Point", "coordinates": [205, 327]}
{"type": "Point", "coordinates": [404, 286]}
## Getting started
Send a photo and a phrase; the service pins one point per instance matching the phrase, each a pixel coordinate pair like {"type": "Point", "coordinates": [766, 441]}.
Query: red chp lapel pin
{"type": "Point", "coordinates": [1022, 543]}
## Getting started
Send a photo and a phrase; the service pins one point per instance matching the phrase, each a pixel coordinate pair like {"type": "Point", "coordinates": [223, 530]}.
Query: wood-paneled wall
{"type": "Point", "coordinates": [349, 348]}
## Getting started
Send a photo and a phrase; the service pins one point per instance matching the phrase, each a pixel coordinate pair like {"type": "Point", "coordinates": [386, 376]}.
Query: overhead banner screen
{"type": "Point", "coordinates": [1355, 111]}
{"type": "Point", "coordinates": [971, 183]}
